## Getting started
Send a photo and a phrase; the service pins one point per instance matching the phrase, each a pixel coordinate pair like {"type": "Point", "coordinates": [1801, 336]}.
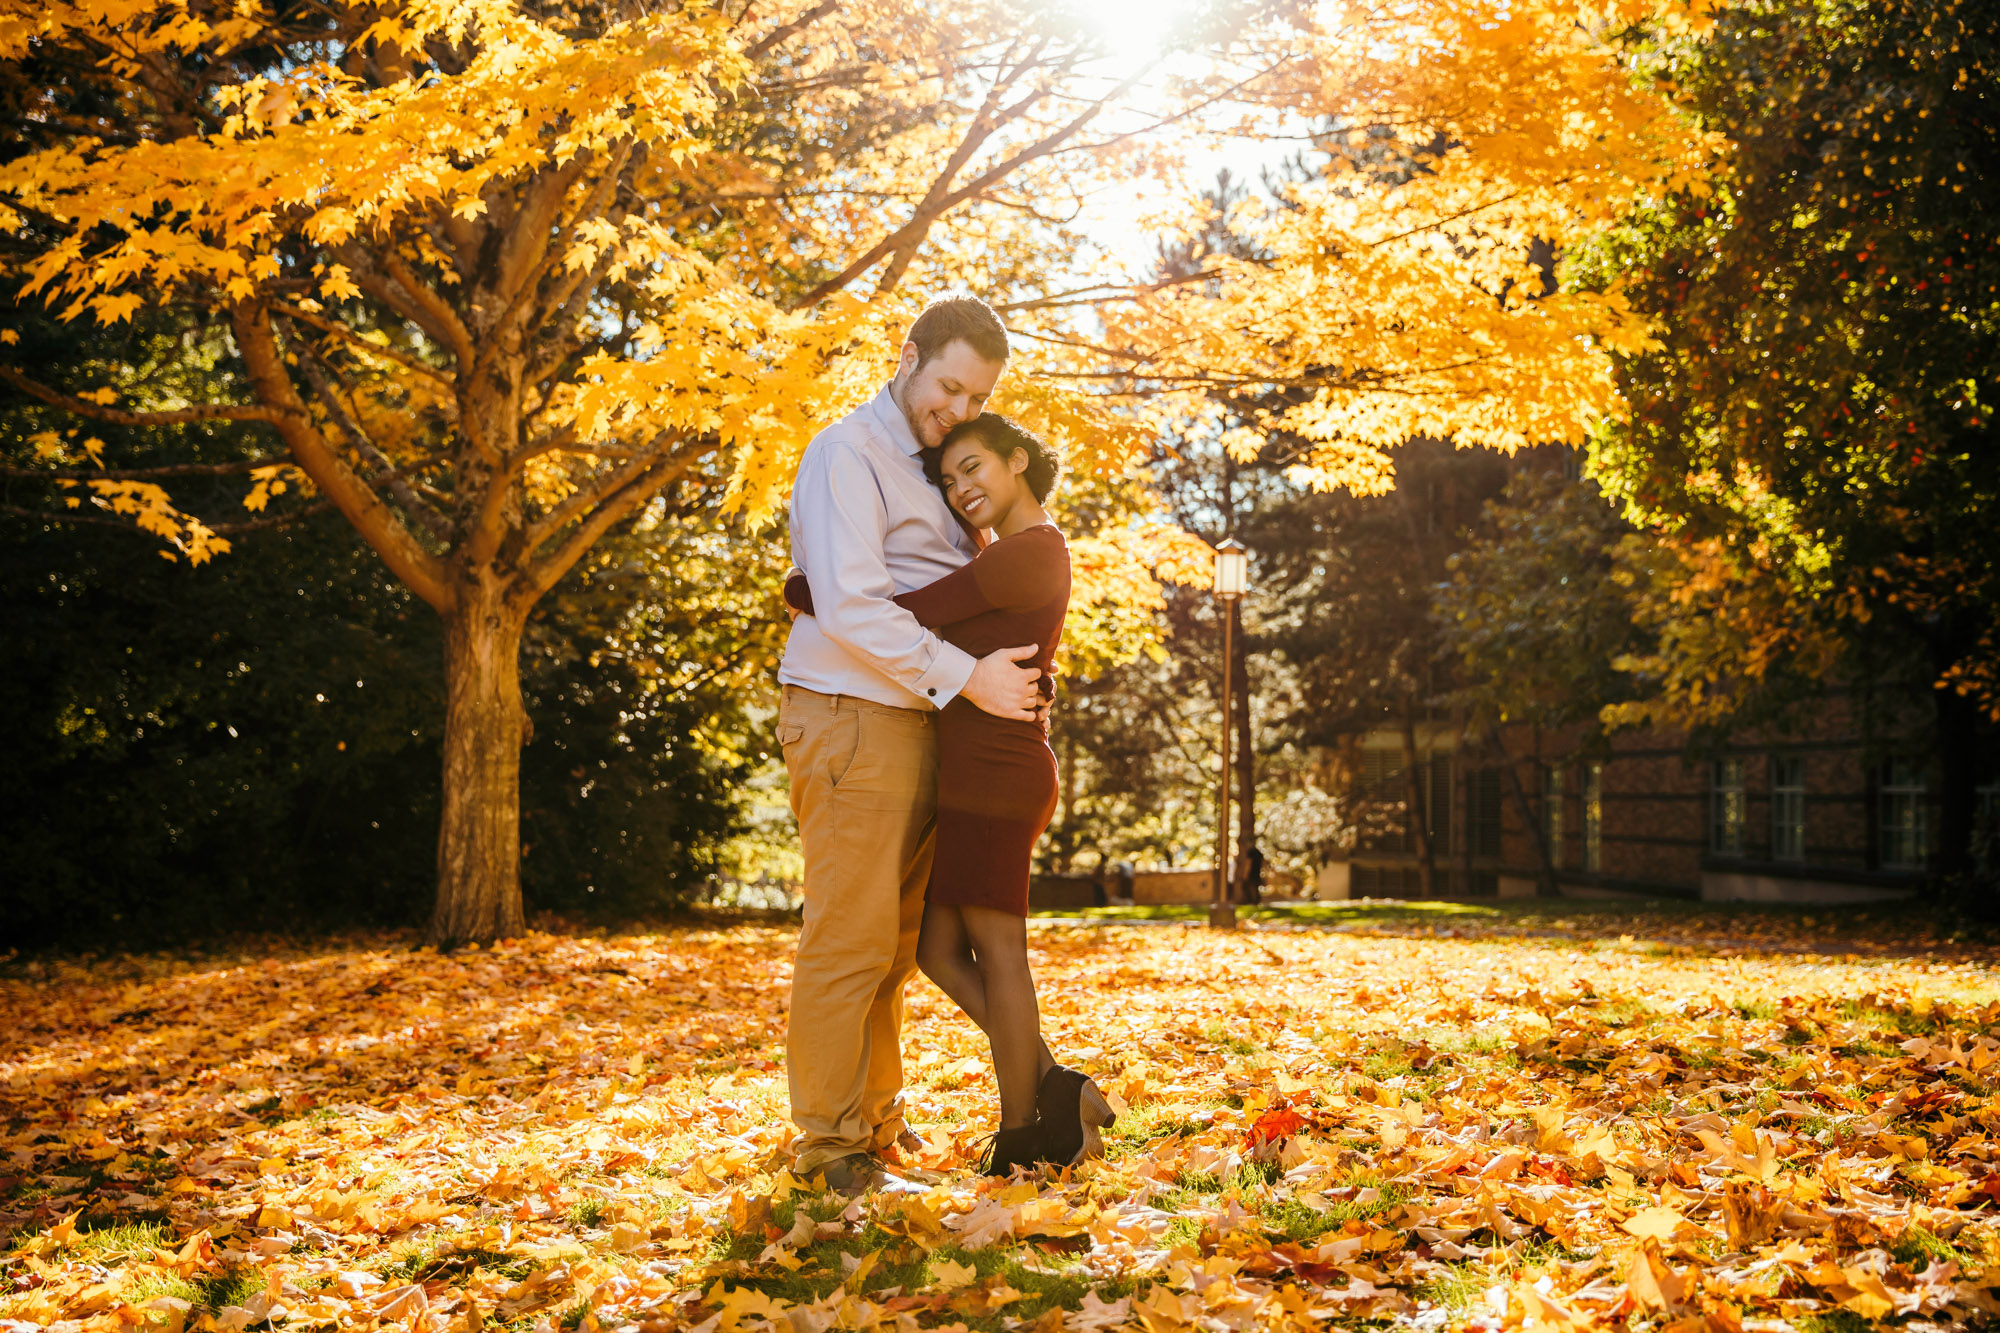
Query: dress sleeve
{"type": "Point", "coordinates": [1015, 573]}
{"type": "Point", "coordinates": [799, 593]}
{"type": "Point", "coordinates": [956, 596]}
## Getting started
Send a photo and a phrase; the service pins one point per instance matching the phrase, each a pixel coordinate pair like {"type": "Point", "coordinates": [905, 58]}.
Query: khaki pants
{"type": "Point", "coordinates": [864, 789]}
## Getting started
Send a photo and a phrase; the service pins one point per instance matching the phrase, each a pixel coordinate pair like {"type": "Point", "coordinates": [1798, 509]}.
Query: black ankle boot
{"type": "Point", "coordinates": [1071, 1109]}
{"type": "Point", "coordinates": [1009, 1148]}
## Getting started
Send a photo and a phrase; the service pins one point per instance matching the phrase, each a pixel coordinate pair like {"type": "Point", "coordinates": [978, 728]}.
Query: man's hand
{"type": "Point", "coordinates": [999, 686]}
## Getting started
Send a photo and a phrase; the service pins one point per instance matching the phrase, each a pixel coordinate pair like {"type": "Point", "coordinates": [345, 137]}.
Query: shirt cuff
{"type": "Point", "coordinates": [947, 675]}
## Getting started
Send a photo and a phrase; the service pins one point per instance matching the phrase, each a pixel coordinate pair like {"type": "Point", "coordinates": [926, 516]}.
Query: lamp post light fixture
{"type": "Point", "coordinates": [1232, 580]}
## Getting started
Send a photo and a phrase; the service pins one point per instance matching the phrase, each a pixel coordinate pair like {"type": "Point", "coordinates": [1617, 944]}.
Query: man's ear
{"type": "Point", "coordinates": [907, 361]}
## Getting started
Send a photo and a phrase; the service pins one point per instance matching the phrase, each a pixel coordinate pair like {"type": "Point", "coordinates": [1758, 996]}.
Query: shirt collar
{"type": "Point", "coordinates": [890, 417]}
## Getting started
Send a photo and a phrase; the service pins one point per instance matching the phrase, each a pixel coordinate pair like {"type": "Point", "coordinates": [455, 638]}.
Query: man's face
{"type": "Point", "coordinates": [949, 388]}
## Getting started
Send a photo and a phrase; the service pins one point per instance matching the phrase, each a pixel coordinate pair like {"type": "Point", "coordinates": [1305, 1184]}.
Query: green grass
{"type": "Point", "coordinates": [1835, 1321]}
{"type": "Point", "coordinates": [437, 1256]}
{"type": "Point", "coordinates": [1487, 1042]}
{"type": "Point", "coordinates": [112, 1245]}
{"type": "Point", "coordinates": [587, 1214]}
{"type": "Point", "coordinates": [1919, 1247]}
{"type": "Point", "coordinates": [1143, 1124]}
{"type": "Point", "coordinates": [211, 1292]}
{"type": "Point", "coordinates": [155, 1285]}
{"type": "Point", "coordinates": [1457, 1287]}
{"type": "Point", "coordinates": [1886, 1020]}
{"type": "Point", "coordinates": [1218, 1035]}
{"type": "Point", "coordinates": [903, 1264]}
{"type": "Point", "coordinates": [1879, 1049]}
{"type": "Point", "coordinates": [1401, 913]}
{"type": "Point", "coordinates": [232, 1286]}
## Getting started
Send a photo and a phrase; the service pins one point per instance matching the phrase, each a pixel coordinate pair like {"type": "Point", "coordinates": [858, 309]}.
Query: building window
{"type": "Point", "coordinates": [1788, 809]}
{"type": "Point", "coordinates": [1593, 817]}
{"type": "Point", "coordinates": [1552, 813]}
{"type": "Point", "coordinates": [1726, 808]}
{"type": "Point", "coordinates": [1905, 824]}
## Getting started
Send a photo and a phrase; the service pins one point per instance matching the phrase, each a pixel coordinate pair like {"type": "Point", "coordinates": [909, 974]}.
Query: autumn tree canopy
{"type": "Point", "coordinates": [500, 278]}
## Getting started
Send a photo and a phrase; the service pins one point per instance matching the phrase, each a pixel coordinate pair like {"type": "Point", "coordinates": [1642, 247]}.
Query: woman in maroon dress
{"type": "Point", "coordinates": [997, 785]}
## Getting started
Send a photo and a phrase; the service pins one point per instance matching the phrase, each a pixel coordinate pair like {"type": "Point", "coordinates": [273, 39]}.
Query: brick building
{"type": "Point", "coordinates": [1842, 811]}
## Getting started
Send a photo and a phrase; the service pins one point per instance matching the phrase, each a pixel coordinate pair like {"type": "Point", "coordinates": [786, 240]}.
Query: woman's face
{"type": "Point", "coordinates": [981, 485]}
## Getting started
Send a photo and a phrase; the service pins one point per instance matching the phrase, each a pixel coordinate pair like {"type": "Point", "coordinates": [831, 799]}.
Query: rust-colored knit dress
{"type": "Point", "coordinates": [996, 776]}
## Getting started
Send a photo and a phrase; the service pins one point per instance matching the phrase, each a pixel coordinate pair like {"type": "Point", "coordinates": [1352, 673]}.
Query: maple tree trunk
{"type": "Point", "coordinates": [479, 838]}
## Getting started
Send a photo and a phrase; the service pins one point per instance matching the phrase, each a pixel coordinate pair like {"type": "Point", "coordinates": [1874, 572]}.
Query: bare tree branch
{"type": "Point", "coordinates": [439, 309]}
{"type": "Point", "coordinates": [598, 489]}
{"type": "Point", "coordinates": [335, 329]}
{"type": "Point", "coordinates": [387, 472]}
{"type": "Point", "coordinates": [290, 516]}
{"type": "Point", "coordinates": [425, 574]}
{"type": "Point", "coordinates": [1109, 292]}
{"type": "Point", "coordinates": [113, 416]}
{"type": "Point", "coordinates": [141, 473]}
{"type": "Point", "coordinates": [783, 34]}
{"type": "Point", "coordinates": [936, 206]}
{"type": "Point", "coordinates": [546, 573]}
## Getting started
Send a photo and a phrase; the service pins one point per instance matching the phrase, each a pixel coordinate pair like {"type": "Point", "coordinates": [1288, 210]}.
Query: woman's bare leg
{"type": "Point", "coordinates": [949, 954]}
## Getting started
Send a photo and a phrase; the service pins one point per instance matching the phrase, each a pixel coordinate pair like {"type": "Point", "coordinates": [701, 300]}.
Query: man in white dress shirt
{"type": "Point", "coordinates": [862, 684]}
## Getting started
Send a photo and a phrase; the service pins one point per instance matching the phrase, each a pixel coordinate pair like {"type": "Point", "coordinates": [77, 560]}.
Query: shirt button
{"type": "Point", "coordinates": [931, 693]}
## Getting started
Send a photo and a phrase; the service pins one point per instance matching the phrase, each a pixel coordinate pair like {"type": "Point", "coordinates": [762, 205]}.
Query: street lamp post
{"type": "Point", "coordinates": [1232, 578]}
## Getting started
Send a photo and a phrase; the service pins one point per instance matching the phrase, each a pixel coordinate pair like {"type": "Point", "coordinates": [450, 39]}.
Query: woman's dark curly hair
{"type": "Point", "coordinates": [1003, 439]}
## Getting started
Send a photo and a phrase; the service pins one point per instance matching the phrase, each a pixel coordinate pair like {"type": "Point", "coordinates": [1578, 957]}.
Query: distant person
{"type": "Point", "coordinates": [996, 785]}
{"type": "Point", "coordinates": [1253, 876]}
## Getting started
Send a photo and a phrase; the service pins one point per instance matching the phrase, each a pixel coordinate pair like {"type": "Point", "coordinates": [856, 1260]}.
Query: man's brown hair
{"type": "Point", "coordinates": [955, 319]}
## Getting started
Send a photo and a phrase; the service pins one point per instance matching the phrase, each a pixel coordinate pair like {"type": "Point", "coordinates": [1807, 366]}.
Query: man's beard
{"type": "Point", "coordinates": [899, 395]}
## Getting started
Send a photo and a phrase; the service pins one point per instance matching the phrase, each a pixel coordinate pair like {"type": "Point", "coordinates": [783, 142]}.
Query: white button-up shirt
{"type": "Point", "coordinates": [867, 525]}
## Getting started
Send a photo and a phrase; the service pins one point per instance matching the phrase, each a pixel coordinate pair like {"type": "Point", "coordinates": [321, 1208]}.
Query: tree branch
{"type": "Point", "coordinates": [83, 407]}
{"type": "Point", "coordinates": [913, 232]}
{"type": "Point", "coordinates": [425, 574]}
{"type": "Point", "coordinates": [540, 251]}
{"type": "Point", "coordinates": [126, 525]}
{"type": "Point", "coordinates": [140, 473]}
{"type": "Point", "coordinates": [335, 329]}
{"type": "Point", "coordinates": [387, 472]}
{"type": "Point", "coordinates": [433, 305]}
{"type": "Point", "coordinates": [1112, 292]}
{"type": "Point", "coordinates": [786, 32]}
{"type": "Point", "coordinates": [579, 501]}
{"type": "Point", "coordinates": [545, 574]}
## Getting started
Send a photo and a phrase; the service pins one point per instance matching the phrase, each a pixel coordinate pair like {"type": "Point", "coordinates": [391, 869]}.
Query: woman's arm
{"type": "Point", "coordinates": [1009, 574]}
{"type": "Point", "coordinates": [956, 596]}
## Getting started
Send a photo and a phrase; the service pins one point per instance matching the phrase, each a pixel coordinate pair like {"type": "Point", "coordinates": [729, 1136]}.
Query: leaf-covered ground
{"type": "Point", "coordinates": [1686, 1121]}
